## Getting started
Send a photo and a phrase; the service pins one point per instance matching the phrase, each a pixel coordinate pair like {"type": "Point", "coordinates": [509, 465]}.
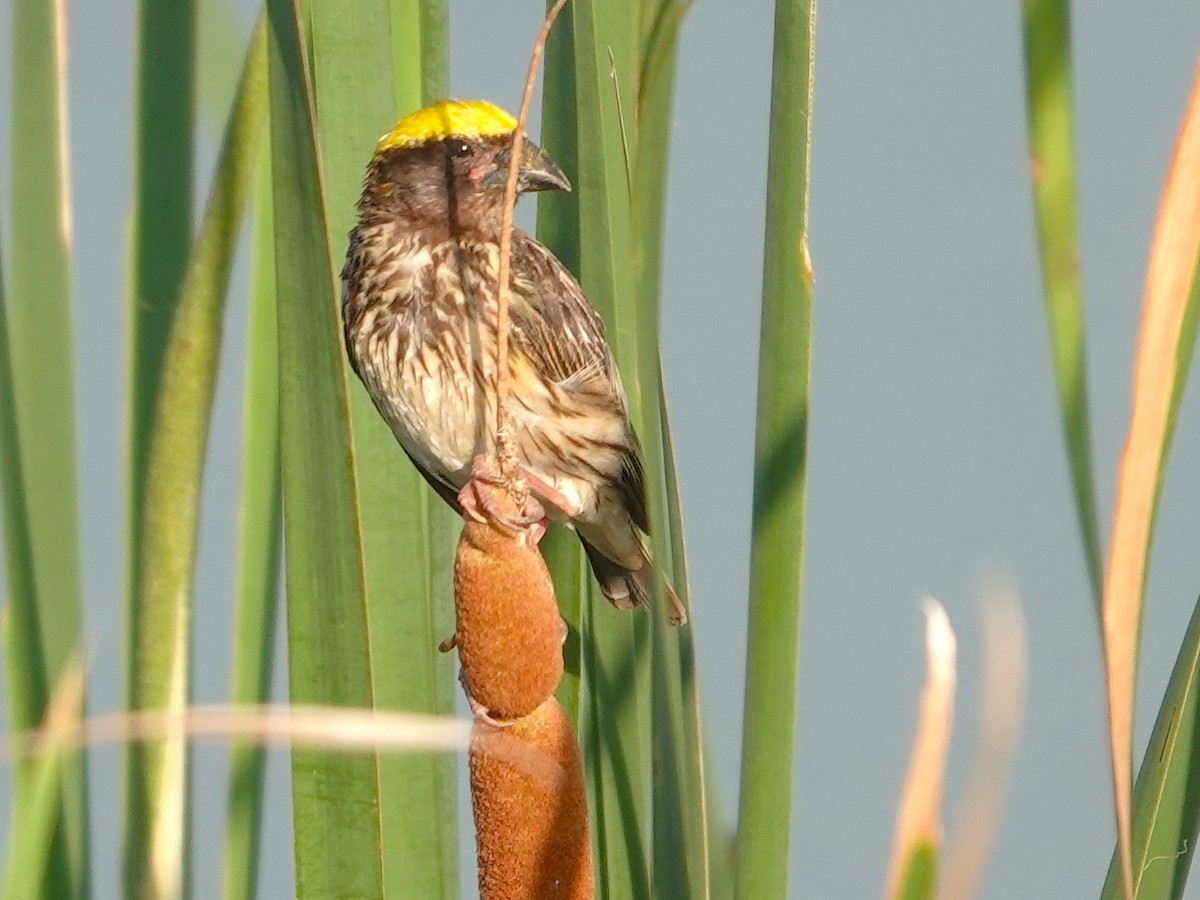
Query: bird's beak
{"type": "Point", "coordinates": [536, 172]}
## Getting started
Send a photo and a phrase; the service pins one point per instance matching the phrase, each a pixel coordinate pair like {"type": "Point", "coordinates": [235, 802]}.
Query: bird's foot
{"type": "Point", "coordinates": [537, 526]}
{"type": "Point", "coordinates": [490, 496]}
{"type": "Point", "coordinates": [483, 715]}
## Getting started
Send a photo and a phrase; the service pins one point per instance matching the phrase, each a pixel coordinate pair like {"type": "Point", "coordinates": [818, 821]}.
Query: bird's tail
{"type": "Point", "coordinates": [630, 588]}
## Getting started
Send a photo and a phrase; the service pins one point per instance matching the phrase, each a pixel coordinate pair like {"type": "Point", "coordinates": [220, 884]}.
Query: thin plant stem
{"type": "Point", "coordinates": [506, 223]}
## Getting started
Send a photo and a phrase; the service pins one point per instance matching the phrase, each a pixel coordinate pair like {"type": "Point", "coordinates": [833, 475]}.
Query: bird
{"type": "Point", "coordinates": [419, 314]}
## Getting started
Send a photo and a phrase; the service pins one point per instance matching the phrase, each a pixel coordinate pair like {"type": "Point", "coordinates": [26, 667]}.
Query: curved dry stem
{"type": "Point", "coordinates": [510, 202]}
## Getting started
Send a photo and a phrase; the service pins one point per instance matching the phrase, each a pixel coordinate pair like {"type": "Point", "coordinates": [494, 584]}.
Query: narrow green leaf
{"type": "Point", "coordinates": [685, 806]}
{"type": "Point", "coordinates": [779, 470]}
{"type": "Point", "coordinates": [30, 851]}
{"type": "Point", "coordinates": [41, 326]}
{"type": "Point", "coordinates": [258, 547]}
{"type": "Point", "coordinates": [161, 242]}
{"type": "Point", "coordinates": [722, 840]}
{"type": "Point", "coordinates": [680, 826]}
{"type": "Point", "coordinates": [435, 50]}
{"type": "Point", "coordinates": [616, 648]}
{"type": "Point", "coordinates": [558, 211]}
{"type": "Point", "coordinates": [25, 667]}
{"type": "Point", "coordinates": [682, 857]}
{"type": "Point", "coordinates": [647, 198]}
{"type": "Point", "coordinates": [156, 771]}
{"type": "Point", "coordinates": [218, 42]}
{"type": "Point", "coordinates": [335, 798]}
{"type": "Point", "coordinates": [1047, 35]}
{"type": "Point", "coordinates": [654, 102]}
{"type": "Point", "coordinates": [603, 178]}
{"type": "Point", "coordinates": [162, 239]}
{"type": "Point", "coordinates": [920, 875]}
{"type": "Point", "coordinates": [409, 606]}
{"type": "Point", "coordinates": [41, 318]}
{"type": "Point", "coordinates": [558, 229]}
{"type": "Point", "coordinates": [1166, 798]}
{"type": "Point", "coordinates": [615, 737]}
{"type": "Point", "coordinates": [698, 775]}
{"type": "Point", "coordinates": [406, 58]}
{"type": "Point", "coordinates": [572, 577]}
{"type": "Point", "coordinates": [420, 62]}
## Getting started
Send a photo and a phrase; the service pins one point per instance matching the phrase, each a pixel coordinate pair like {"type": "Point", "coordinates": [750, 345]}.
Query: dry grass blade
{"type": "Point", "coordinates": [918, 817]}
{"type": "Point", "coordinates": [301, 725]}
{"type": "Point", "coordinates": [1001, 712]}
{"type": "Point", "coordinates": [510, 202]}
{"type": "Point", "coordinates": [1139, 476]}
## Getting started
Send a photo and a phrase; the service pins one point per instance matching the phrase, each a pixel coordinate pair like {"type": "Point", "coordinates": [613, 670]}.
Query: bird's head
{"type": "Point", "coordinates": [445, 166]}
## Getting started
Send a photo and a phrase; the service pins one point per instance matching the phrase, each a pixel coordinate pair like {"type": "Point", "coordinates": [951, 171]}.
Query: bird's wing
{"type": "Point", "coordinates": [562, 336]}
{"type": "Point", "coordinates": [555, 326]}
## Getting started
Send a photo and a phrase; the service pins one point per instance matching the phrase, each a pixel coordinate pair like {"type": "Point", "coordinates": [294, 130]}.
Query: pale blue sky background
{"type": "Point", "coordinates": [935, 450]}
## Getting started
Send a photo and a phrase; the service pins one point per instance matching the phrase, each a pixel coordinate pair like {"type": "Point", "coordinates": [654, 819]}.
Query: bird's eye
{"type": "Point", "coordinates": [459, 148]}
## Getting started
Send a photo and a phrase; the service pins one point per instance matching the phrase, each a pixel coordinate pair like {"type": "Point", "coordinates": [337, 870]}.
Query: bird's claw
{"type": "Point", "coordinates": [483, 715]}
{"type": "Point", "coordinates": [479, 712]}
{"type": "Point", "coordinates": [478, 499]}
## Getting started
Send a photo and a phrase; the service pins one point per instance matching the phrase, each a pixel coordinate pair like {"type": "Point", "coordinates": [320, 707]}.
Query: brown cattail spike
{"type": "Point", "coordinates": [530, 811]}
{"type": "Point", "coordinates": [508, 630]}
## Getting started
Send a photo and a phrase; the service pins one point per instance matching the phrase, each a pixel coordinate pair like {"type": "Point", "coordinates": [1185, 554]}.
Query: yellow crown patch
{"type": "Point", "coordinates": [448, 118]}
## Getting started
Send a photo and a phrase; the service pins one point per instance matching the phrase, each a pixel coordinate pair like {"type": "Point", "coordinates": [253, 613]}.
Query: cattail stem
{"type": "Point", "coordinates": [510, 202]}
